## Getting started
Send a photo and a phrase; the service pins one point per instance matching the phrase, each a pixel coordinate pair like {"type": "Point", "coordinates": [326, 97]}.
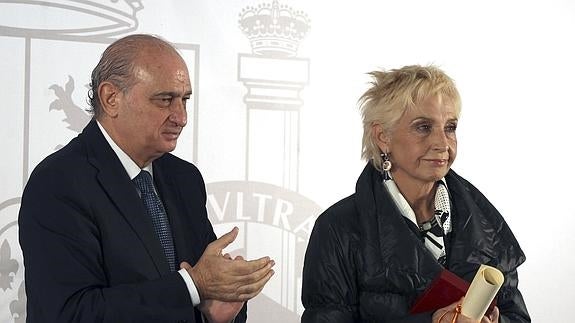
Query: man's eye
{"type": "Point", "coordinates": [185, 101]}
{"type": "Point", "coordinates": [164, 101]}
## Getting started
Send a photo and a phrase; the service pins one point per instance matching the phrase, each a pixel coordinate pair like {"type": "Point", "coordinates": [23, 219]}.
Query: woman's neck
{"type": "Point", "coordinates": [420, 196]}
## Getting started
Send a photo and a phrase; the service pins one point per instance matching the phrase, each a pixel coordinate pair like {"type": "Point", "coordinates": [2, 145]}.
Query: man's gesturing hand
{"type": "Point", "coordinates": [217, 311]}
{"type": "Point", "coordinates": [230, 280]}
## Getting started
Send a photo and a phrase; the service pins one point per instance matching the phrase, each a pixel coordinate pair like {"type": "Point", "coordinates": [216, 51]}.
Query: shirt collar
{"type": "Point", "coordinates": [129, 165]}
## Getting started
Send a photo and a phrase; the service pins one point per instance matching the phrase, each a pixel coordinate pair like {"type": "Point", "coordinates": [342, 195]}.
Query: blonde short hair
{"type": "Point", "coordinates": [395, 91]}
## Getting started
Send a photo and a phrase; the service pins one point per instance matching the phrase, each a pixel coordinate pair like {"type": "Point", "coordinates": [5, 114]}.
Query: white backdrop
{"type": "Point", "coordinates": [277, 134]}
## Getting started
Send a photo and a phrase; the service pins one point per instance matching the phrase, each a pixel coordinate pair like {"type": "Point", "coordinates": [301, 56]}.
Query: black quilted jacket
{"type": "Point", "coordinates": [366, 263]}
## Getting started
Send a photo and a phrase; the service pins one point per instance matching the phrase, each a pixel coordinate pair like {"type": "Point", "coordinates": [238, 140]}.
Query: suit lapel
{"type": "Point", "coordinates": [116, 183]}
{"type": "Point", "coordinates": [168, 191]}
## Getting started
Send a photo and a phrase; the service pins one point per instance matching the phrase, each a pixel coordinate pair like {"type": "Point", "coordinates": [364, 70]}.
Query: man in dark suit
{"type": "Point", "coordinates": [107, 221]}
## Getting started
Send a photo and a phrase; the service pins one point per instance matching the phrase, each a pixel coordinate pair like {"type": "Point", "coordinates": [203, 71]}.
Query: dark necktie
{"type": "Point", "coordinates": [158, 215]}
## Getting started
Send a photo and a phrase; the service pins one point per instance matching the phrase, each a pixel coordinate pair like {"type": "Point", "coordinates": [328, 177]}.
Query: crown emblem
{"type": "Point", "coordinates": [274, 29]}
{"type": "Point", "coordinates": [134, 4]}
{"type": "Point", "coordinates": [84, 18]}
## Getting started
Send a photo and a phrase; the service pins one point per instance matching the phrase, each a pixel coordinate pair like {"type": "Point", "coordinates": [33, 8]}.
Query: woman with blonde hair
{"type": "Point", "coordinates": [373, 253]}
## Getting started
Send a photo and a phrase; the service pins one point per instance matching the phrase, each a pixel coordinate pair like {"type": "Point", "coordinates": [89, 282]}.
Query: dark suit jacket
{"type": "Point", "coordinates": [90, 251]}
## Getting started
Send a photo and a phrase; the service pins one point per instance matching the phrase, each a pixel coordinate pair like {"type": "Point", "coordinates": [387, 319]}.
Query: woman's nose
{"type": "Point", "coordinates": [440, 141]}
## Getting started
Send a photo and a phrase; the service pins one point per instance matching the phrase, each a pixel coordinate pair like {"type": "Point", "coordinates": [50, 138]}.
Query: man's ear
{"type": "Point", "coordinates": [380, 137]}
{"type": "Point", "coordinates": [110, 97]}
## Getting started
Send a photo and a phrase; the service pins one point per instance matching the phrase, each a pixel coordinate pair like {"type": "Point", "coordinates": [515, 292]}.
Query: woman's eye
{"type": "Point", "coordinates": [451, 128]}
{"type": "Point", "coordinates": [423, 128]}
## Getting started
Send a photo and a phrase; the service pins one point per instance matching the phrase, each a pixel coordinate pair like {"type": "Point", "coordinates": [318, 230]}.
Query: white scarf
{"type": "Point", "coordinates": [434, 230]}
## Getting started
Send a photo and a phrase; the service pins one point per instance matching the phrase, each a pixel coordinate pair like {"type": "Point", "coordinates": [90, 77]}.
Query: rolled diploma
{"type": "Point", "coordinates": [480, 294]}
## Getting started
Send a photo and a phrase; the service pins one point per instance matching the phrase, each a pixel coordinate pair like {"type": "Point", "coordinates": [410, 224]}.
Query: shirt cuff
{"type": "Point", "coordinates": [194, 295]}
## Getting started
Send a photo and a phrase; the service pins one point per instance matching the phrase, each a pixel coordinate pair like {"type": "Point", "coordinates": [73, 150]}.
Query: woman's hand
{"type": "Point", "coordinates": [493, 317]}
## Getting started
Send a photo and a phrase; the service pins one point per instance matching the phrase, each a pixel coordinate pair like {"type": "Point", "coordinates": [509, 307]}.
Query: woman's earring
{"type": "Point", "coordinates": [385, 166]}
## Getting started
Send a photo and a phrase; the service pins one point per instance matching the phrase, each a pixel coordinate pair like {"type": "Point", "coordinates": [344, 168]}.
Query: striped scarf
{"type": "Point", "coordinates": [433, 231]}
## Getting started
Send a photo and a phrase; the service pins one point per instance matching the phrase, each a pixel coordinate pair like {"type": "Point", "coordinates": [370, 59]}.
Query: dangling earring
{"type": "Point", "coordinates": [385, 166]}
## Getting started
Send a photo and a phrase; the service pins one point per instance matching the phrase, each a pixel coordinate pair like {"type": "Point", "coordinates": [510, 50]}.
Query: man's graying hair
{"type": "Point", "coordinates": [117, 65]}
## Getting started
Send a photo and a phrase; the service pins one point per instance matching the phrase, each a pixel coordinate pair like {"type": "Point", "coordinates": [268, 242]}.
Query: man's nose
{"type": "Point", "coordinates": [179, 115]}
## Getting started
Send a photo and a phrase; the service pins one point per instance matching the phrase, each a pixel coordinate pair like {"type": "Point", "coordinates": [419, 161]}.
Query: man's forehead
{"type": "Point", "coordinates": [182, 75]}
{"type": "Point", "coordinates": [154, 67]}
{"type": "Point", "coordinates": [142, 74]}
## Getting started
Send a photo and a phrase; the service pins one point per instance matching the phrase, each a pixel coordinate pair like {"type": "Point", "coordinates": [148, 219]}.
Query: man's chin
{"type": "Point", "coordinates": [170, 148]}
{"type": "Point", "coordinates": [167, 147]}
